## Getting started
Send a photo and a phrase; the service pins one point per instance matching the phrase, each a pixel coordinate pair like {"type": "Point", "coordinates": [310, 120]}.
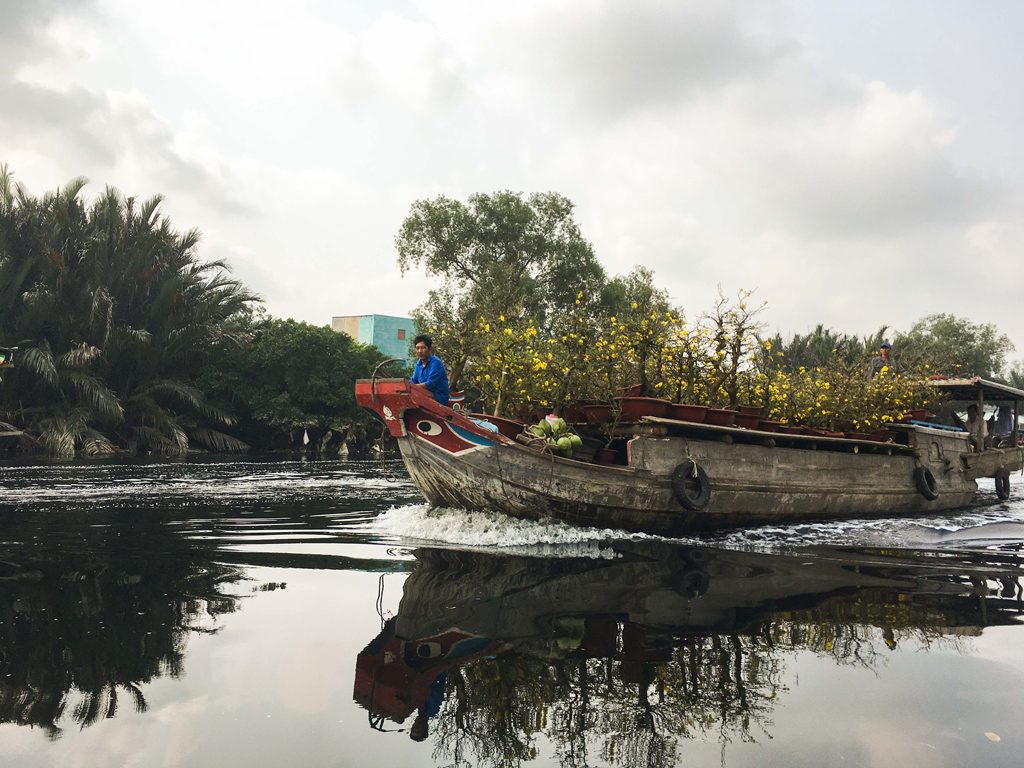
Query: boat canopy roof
{"type": "Point", "coordinates": [976, 388]}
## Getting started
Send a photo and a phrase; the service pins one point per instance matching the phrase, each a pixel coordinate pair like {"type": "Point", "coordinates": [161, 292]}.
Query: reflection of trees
{"type": "Point", "coordinates": [634, 710]}
{"type": "Point", "coordinates": [95, 612]}
{"type": "Point", "coordinates": [620, 661]}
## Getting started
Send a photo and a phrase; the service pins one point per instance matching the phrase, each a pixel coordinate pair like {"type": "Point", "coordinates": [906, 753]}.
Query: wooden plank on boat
{"type": "Point", "coordinates": [992, 462]}
{"type": "Point", "coordinates": [689, 427]}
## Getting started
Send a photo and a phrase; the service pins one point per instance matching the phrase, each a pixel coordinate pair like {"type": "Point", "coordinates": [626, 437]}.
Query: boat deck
{"type": "Point", "coordinates": [658, 425]}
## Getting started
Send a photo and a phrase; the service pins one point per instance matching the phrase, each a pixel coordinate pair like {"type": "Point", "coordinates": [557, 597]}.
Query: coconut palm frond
{"type": "Point", "coordinates": [14, 281]}
{"type": "Point", "coordinates": [140, 335]}
{"type": "Point", "coordinates": [58, 441]}
{"type": "Point", "coordinates": [80, 356]}
{"type": "Point", "coordinates": [138, 699]}
{"type": "Point", "coordinates": [152, 439]}
{"type": "Point", "coordinates": [6, 187]}
{"type": "Point", "coordinates": [177, 390]}
{"type": "Point", "coordinates": [188, 395]}
{"type": "Point", "coordinates": [58, 433]}
{"type": "Point", "coordinates": [96, 444]}
{"type": "Point", "coordinates": [215, 441]}
{"type": "Point", "coordinates": [149, 437]}
{"type": "Point", "coordinates": [180, 438]}
{"type": "Point", "coordinates": [102, 310]}
{"type": "Point", "coordinates": [94, 392]}
{"type": "Point", "coordinates": [39, 360]}
{"type": "Point", "coordinates": [175, 441]}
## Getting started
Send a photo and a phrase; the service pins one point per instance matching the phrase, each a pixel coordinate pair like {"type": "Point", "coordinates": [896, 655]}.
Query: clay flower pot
{"type": "Point", "coordinates": [598, 413]}
{"type": "Point", "coordinates": [684, 412]}
{"type": "Point", "coordinates": [749, 410]}
{"type": "Point", "coordinates": [604, 456]}
{"type": "Point", "coordinates": [632, 408]}
{"type": "Point", "coordinates": [574, 413]}
{"type": "Point", "coordinates": [767, 425]}
{"type": "Point", "coordinates": [882, 436]}
{"type": "Point", "coordinates": [747, 420]}
{"type": "Point", "coordinates": [720, 417]}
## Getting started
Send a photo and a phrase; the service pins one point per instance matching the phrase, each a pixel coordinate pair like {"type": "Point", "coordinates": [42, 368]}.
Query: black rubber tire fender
{"type": "Point", "coordinates": [1003, 485]}
{"type": "Point", "coordinates": [690, 583]}
{"type": "Point", "coordinates": [925, 482]}
{"type": "Point", "coordinates": [691, 486]}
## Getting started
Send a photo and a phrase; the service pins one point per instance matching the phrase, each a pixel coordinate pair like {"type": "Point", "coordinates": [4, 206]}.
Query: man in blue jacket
{"type": "Point", "coordinates": [429, 369]}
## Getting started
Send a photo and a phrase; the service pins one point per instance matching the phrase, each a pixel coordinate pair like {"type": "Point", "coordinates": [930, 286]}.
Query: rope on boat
{"type": "Point", "coordinates": [388, 475]}
{"type": "Point", "coordinates": [373, 377]}
{"type": "Point", "coordinates": [380, 600]}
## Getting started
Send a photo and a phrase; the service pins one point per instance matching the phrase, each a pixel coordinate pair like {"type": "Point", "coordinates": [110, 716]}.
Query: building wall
{"type": "Point", "coordinates": [347, 324]}
{"type": "Point", "coordinates": [391, 335]}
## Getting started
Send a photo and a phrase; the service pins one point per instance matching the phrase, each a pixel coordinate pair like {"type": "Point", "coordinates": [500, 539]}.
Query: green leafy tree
{"type": "Point", "coordinates": [1015, 376]}
{"type": "Point", "coordinates": [955, 346]}
{"type": "Point", "coordinates": [499, 254]}
{"type": "Point", "coordinates": [647, 319]}
{"type": "Point", "coordinates": [291, 377]}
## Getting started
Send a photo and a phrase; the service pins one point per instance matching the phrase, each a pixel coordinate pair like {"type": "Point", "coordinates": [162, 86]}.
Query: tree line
{"type": "Point", "coordinates": [528, 319]}
{"type": "Point", "coordinates": [129, 342]}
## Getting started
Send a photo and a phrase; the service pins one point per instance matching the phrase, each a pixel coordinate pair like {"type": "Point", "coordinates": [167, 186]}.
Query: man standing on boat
{"type": "Point", "coordinates": [429, 370]}
{"type": "Point", "coordinates": [884, 360]}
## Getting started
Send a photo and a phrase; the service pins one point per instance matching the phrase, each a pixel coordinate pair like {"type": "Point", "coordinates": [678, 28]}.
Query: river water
{"type": "Point", "coordinates": [269, 613]}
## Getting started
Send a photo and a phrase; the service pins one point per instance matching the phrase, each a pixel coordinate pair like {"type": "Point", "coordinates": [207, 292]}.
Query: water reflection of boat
{"type": "Point", "coordinates": [679, 476]}
{"type": "Point", "coordinates": [656, 630]}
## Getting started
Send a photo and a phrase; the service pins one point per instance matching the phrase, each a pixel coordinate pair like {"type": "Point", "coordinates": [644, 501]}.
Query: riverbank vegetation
{"type": "Point", "coordinates": [129, 342]}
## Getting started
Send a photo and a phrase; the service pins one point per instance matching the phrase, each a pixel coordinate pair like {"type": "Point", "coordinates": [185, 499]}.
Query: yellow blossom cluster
{"type": "Point", "coordinates": [519, 367]}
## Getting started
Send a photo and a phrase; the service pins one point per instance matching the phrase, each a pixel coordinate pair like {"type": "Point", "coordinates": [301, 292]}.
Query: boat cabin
{"type": "Point", "coordinates": [1003, 430]}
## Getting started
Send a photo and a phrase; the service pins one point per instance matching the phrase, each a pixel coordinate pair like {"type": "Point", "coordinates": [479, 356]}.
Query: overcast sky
{"type": "Point", "coordinates": [857, 164]}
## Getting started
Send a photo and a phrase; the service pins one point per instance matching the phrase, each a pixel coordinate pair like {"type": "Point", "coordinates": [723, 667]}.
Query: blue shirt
{"type": "Point", "coordinates": [434, 375]}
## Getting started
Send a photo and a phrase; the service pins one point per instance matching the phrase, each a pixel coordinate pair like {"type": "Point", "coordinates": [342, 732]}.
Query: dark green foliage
{"type": "Point", "coordinates": [955, 346]}
{"type": "Point", "coordinates": [291, 376]}
{"type": "Point", "coordinates": [822, 346]}
{"type": "Point", "coordinates": [115, 317]}
{"type": "Point", "coordinates": [499, 254]}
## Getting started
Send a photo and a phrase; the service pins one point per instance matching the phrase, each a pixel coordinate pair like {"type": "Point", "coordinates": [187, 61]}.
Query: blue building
{"type": "Point", "coordinates": [391, 335]}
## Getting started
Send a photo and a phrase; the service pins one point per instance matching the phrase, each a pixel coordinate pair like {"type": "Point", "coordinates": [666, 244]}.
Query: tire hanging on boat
{"type": "Point", "coordinates": [691, 486]}
{"type": "Point", "coordinates": [1003, 485]}
{"type": "Point", "coordinates": [925, 482]}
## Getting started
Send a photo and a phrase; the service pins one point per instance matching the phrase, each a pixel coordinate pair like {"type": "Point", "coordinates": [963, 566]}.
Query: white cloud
{"type": "Point", "coordinates": [692, 142]}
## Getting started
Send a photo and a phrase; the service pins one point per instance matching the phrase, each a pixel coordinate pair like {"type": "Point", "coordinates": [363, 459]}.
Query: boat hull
{"type": "Point", "coordinates": [754, 478]}
{"type": "Point", "coordinates": [750, 485]}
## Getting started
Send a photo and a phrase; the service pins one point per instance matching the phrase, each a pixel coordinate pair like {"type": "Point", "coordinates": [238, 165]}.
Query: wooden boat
{"type": "Point", "coordinates": [677, 477]}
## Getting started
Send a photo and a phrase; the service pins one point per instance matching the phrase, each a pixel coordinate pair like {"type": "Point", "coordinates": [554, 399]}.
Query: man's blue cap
{"type": "Point", "coordinates": [886, 345]}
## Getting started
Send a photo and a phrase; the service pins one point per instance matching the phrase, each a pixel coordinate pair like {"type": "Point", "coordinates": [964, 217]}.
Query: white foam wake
{"type": "Point", "coordinates": [417, 523]}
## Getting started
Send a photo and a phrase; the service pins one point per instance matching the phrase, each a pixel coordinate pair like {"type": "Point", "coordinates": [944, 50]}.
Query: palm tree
{"type": "Point", "coordinates": [114, 315]}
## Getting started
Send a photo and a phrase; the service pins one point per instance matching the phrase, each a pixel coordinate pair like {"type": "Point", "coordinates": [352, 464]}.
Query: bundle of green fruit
{"type": "Point", "coordinates": [555, 433]}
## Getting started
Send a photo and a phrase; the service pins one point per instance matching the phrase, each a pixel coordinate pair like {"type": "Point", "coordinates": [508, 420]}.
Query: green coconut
{"type": "Point", "coordinates": [545, 427]}
{"type": "Point", "coordinates": [558, 426]}
{"type": "Point", "coordinates": [564, 445]}
{"type": "Point", "coordinates": [576, 440]}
